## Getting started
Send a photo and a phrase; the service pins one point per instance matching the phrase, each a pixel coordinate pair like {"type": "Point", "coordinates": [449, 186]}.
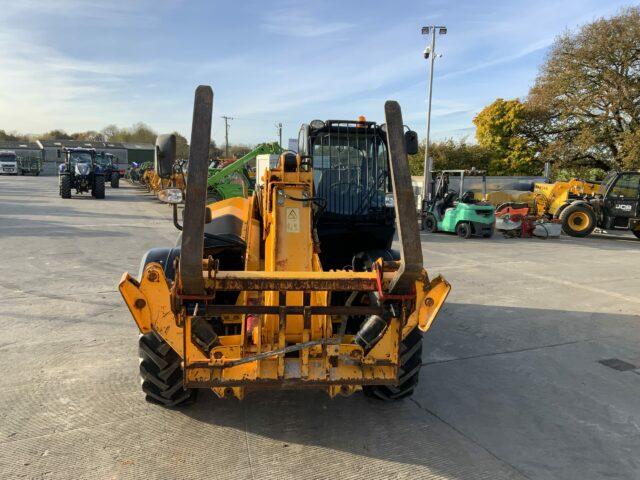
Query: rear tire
{"type": "Point", "coordinates": [408, 371]}
{"type": "Point", "coordinates": [161, 372]}
{"type": "Point", "coordinates": [636, 233]}
{"type": "Point", "coordinates": [98, 187]}
{"type": "Point", "coordinates": [65, 186]}
{"type": "Point", "coordinates": [463, 229]}
{"type": "Point", "coordinates": [578, 220]}
{"type": "Point", "coordinates": [115, 180]}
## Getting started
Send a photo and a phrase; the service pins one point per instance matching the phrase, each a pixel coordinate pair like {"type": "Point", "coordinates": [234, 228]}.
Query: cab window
{"type": "Point", "coordinates": [628, 186]}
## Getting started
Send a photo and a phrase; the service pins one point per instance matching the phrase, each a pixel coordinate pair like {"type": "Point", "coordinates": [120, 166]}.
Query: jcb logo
{"type": "Point", "coordinates": [623, 207]}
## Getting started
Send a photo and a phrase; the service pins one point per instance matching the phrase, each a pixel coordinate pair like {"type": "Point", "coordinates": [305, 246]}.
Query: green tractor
{"type": "Point", "coordinates": [458, 211]}
{"type": "Point", "coordinates": [109, 165]}
{"type": "Point", "coordinates": [234, 179]}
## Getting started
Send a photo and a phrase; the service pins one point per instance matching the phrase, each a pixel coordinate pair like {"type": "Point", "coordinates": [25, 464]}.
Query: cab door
{"type": "Point", "coordinates": [622, 200]}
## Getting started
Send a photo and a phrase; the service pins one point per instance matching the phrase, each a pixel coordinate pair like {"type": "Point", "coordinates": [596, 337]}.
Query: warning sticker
{"type": "Point", "coordinates": [293, 220]}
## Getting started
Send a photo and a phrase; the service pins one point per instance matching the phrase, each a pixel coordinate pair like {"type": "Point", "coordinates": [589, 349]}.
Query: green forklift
{"type": "Point", "coordinates": [458, 211]}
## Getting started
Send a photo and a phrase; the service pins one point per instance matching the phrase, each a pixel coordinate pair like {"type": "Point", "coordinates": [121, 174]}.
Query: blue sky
{"type": "Point", "coordinates": [83, 64]}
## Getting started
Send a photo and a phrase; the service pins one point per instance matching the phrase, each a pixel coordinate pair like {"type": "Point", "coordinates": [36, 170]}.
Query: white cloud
{"type": "Point", "coordinates": [296, 22]}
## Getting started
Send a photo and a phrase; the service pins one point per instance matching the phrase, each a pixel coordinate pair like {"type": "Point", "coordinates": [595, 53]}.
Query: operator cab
{"type": "Point", "coordinates": [619, 202]}
{"type": "Point", "coordinates": [351, 173]}
{"type": "Point", "coordinates": [105, 160]}
{"type": "Point", "coordinates": [79, 155]}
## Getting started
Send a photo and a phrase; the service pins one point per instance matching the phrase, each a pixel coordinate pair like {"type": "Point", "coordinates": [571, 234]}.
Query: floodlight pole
{"type": "Point", "coordinates": [431, 55]}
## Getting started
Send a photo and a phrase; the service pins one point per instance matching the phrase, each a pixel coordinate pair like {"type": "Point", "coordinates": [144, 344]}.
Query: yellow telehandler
{"type": "Point", "coordinates": [257, 293]}
{"type": "Point", "coordinates": [582, 206]}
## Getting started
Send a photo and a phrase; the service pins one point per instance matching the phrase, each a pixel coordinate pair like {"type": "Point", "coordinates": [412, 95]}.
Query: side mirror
{"type": "Point", "coordinates": [411, 142]}
{"type": "Point", "coordinates": [165, 155]}
{"type": "Point", "coordinates": [303, 140]}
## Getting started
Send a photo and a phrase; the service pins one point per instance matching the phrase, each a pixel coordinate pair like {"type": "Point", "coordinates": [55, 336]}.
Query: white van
{"type": "Point", "coordinates": [8, 163]}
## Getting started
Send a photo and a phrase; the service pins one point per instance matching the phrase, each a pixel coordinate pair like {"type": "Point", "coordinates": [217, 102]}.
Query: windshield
{"type": "Point", "coordinates": [350, 170]}
{"type": "Point", "coordinates": [77, 157]}
{"type": "Point", "coordinates": [7, 158]}
{"type": "Point", "coordinates": [104, 161]}
{"type": "Point", "coordinates": [607, 182]}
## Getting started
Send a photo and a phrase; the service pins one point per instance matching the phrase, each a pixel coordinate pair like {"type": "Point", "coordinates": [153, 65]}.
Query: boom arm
{"type": "Point", "coordinates": [217, 176]}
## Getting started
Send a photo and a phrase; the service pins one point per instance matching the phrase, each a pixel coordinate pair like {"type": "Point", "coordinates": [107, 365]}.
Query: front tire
{"type": "Point", "coordinates": [65, 186]}
{"type": "Point", "coordinates": [430, 223]}
{"type": "Point", "coordinates": [408, 371]}
{"type": "Point", "coordinates": [578, 220]}
{"type": "Point", "coordinates": [115, 180]}
{"type": "Point", "coordinates": [161, 372]}
{"type": "Point", "coordinates": [98, 187]}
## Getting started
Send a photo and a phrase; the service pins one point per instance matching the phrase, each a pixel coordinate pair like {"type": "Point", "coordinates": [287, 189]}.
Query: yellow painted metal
{"type": "Point", "coordinates": [280, 255]}
{"type": "Point", "coordinates": [149, 302]}
{"type": "Point", "coordinates": [548, 198]}
{"type": "Point", "coordinates": [579, 221]}
{"type": "Point", "coordinates": [428, 304]}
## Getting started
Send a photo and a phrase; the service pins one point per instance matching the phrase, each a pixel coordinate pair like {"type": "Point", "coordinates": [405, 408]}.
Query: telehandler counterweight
{"type": "Point", "coordinates": [245, 300]}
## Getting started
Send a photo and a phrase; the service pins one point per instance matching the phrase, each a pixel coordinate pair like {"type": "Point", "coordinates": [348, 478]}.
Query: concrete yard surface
{"type": "Point", "coordinates": [512, 386]}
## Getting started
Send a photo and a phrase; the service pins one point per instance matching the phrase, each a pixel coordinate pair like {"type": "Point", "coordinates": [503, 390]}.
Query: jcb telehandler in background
{"type": "Point", "coordinates": [251, 297]}
{"type": "Point", "coordinates": [582, 206]}
{"type": "Point", "coordinates": [165, 174]}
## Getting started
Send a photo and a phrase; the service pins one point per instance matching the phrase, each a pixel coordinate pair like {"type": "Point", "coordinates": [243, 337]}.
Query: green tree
{"type": "Point", "coordinates": [56, 134]}
{"type": "Point", "coordinates": [11, 137]}
{"type": "Point", "coordinates": [89, 136]}
{"type": "Point", "coordinates": [587, 96]}
{"type": "Point", "coordinates": [500, 128]}
{"type": "Point", "coordinates": [110, 131]}
{"type": "Point", "coordinates": [138, 133]}
{"type": "Point", "coordinates": [450, 154]}
{"type": "Point", "coordinates": [239, 150]}
{"type": "Point", "coordinates": [182, 146]}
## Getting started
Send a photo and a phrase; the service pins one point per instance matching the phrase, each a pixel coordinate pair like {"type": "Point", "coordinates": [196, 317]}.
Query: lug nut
{"type": "Point", "coordinates": [428, 302]}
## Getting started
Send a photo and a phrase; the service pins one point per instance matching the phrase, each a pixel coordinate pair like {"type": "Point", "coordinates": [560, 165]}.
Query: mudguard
{"type": "Point", "coordinates": [164, 256]}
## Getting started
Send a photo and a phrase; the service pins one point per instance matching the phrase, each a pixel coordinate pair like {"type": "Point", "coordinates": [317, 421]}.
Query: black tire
{"type": "Point", "coordinates": [578, 220]}
{"type": "Point", "coordinates": [115, 180]}
{"type": "Point", "coordinates": [463, 229]}
{"type": "Point", "coordinates": [37, 174]}
{"type": "Point", "coordinates": [98, 187]}
{"type": "Point", "coordinates": [161, 372]}
{"type": "Point", "coordinates": [430, 223]}
{"type": "Point", "coordinates": [22, 173]}
{"type": "Point", "coordinates": [65, 186]}
{"type": "Point", "coordinates": [408, 372]}
{"type": "Point", "coordinates": [636, 233]}
{"type": "Point", "coordinates": [489, 234]}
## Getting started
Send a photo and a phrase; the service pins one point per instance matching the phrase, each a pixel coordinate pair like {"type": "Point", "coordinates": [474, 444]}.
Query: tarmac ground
{"type": "Point", "coordinates": [513, 385]}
